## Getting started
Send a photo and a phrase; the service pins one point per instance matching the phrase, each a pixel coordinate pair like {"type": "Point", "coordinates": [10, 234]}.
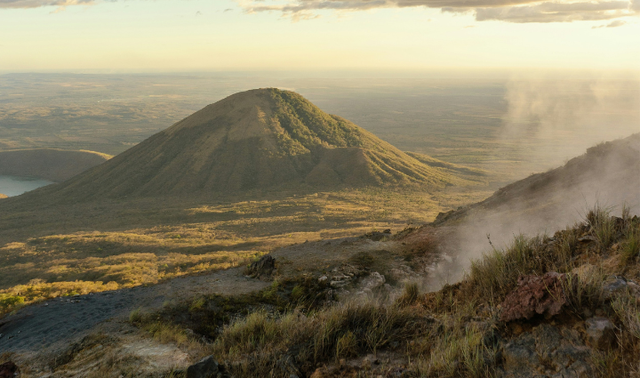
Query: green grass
{"type": "Point", "coordinates": [602, 225]}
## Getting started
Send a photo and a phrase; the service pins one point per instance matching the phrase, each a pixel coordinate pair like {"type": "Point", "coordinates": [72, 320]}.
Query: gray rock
{"type": "Point", "coordinates": [600, 333]}
{"type": "Point", "coordinates": [520, 355]}
{"type": "Point", "coordinates": [578, 369]}
{"type": "Point", "coordinates": [547, 339]}
{"type": "Point", "coordinates": [205, 368]}
{"type": "Point", "coordinates": [566, 354]}
{"type": "Point", "coordinates": [263, 267]}
{"type": "Point", "coordinates": [373, 281]}
{"type": "Point", "coordinates": [613, 285]}
{"type": "Point", "coordinates": [547, 351]}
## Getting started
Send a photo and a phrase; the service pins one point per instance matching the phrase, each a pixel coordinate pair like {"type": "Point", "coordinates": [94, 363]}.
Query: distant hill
{"type": "Point", "coordinates": [3, 196]}
{"type": "Point", "coordinates": [50, 164]}
{"type": "Point", "coordinates": [607, 175]}
{"type": "Point", "coordinates": [263, 138]}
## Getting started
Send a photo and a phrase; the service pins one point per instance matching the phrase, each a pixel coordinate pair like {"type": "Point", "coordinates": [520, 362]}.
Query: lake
{"type": "Point", "coordinates": [14, 185]}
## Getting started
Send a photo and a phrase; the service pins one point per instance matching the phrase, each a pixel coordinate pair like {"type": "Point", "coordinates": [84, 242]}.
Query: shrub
{"type": "Point", "coordinates": [135, 316]}
{"type": "Point", "coordinates": [627, 309]}
{"type": "Point", "coordinates": [602, 226]}
{"type": "Point", "coordinates": [8, 301]}
{"type": "Point", "coordinates": [409, 295]}
{"type": "Point", "coordinates": [497, 272]}
{"type": "Point", "coordinates": [631, 246]}
{"type": "Point", "coordinates": [337, 332]}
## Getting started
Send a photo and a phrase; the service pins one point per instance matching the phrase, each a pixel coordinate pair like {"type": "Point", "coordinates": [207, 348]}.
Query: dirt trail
{"type": "Point", "coordinates": [59, 322]}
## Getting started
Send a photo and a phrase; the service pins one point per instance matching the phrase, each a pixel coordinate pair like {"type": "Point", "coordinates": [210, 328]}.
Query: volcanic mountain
{"type": "Point", "coordinates": [261, 138]}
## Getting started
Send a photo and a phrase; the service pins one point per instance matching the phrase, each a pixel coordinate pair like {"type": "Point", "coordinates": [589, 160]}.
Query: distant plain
{"type": "Point", "coordinates": [508, 127]}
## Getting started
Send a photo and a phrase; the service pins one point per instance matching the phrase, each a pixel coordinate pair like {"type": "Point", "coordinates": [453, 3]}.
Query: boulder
{"type": "Point", "coordinates": [373, 281]}
{"type": "Point", "coordinates": [546, 351]}
{"type": "Point", "coordinates": [263, 267]}
{"type": "Point", "coordinates": [205, 368]}
{"type": "Point", "coordinates": [541, 295]}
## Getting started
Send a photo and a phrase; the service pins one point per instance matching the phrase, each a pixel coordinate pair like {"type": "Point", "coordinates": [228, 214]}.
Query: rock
{"type": "Point", "coordinates": [547, 338]}
{"type": "Point", "coordinates": [205, 368]}
{"type": "Point", "coordinates": [614, 285]}
{"type": "Point", "coordinates": [340, 280]}
{"type": "Point", "coordinates": [578, 369]}
{"type": "Point", "coordinates": [519, 354]}
{"type": "Point", "coordinates": [600, 333]}
{"type": "Point", "coordinates": [373, 281]}
{"type": "Point", "coordinates": [541, 295]}
{"type": "Point", "coordinates": [547, 351]}
{"type": "Point", "coordinates": [9, 370]}
{"type": "Point", "coordinates": [617, 285]}
{"type": "Point", "coordinates": [377, 235]}
{"type": "Point", "coordinates": [263, 267]}
{"type": "Point", "coordinates": [567, 354]}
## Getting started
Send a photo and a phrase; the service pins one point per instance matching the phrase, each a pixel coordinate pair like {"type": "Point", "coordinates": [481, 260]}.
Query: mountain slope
{"type": "Point", "coordinates": [606, 177]}
{"type": "Point", "coordinates": [47, 163]}
{"type": "Point", "coordinates": [256, 139]}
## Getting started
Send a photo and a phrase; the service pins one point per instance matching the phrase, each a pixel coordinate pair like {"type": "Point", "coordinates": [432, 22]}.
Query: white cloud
{"type": "Point", "coordinates": [504, 10]}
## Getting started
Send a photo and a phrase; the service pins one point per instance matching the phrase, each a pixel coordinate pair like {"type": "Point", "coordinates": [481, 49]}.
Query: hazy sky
{"type": "Point", "coordinates": [205, 35]}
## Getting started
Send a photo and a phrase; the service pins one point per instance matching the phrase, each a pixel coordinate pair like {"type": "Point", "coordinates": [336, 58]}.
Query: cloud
{"type": "Point", "coordinates": [612, 24]}
{"type": "Point", "coordinates": [557, 12]}
{"type": "Point", "coordinates": [519, 11]}
{"type": "Point", "coordinates": [42, 3]}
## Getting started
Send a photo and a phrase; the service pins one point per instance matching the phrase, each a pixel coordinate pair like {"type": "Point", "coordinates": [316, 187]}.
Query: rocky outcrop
{"type": "Point", "coordinates": [262, 268]}
{"type": "Point", "coordinates": [541, 295]}
{"type": "Point", "coordinates": [547, 351]}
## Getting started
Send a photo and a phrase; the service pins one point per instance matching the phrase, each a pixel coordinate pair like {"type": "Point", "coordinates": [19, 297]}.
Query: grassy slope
{"type": "Point", "coordinates": [50, 164]}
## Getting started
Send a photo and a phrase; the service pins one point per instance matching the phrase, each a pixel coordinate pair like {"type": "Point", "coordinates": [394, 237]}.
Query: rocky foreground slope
{"type": "Point", "coordinates": [566, 305]}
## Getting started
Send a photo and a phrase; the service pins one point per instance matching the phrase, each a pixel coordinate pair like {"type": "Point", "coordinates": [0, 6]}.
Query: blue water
{"type": "Point", "coordinates": [13, 185]}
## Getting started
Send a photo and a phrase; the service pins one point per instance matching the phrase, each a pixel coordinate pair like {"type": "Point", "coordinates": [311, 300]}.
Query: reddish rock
{"type": "Point", "coordinates": [541, 295]}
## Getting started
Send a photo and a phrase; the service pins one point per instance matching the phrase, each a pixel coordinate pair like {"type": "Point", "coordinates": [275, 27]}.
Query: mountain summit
{"type": "Point", "coordinates": [256, 139]}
